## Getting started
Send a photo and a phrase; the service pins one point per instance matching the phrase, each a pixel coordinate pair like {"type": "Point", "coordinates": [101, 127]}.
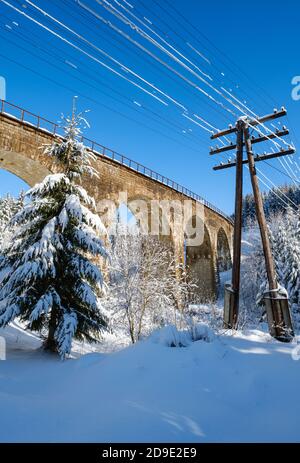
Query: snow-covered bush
{"type": "Point", "coordinates": [170, 336]}
{"type": "Point", "coordinates": [52, 282]}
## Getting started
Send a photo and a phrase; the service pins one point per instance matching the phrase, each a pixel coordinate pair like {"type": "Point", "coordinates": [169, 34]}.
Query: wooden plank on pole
{"type": "Point", "coordinates": [252, 122]}
{"type": "Point", "coordinates": [271, 136]}
{"type": "Point", "coordinates": [257, 158]}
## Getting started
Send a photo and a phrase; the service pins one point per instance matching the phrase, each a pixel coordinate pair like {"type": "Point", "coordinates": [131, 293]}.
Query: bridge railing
{"type": "Point", "coordinates": [56, 129]}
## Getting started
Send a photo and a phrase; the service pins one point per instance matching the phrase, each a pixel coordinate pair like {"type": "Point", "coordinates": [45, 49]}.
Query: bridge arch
{"type": "Point", "coordinates": [199, 263]}
{"type": "Point", "coordinates": [224, 262]}
{"type": "Point", "coordinates": [30, 171]}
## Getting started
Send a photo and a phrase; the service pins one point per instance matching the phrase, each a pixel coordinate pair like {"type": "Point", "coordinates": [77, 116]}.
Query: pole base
{"type": "Point", "coordinates": [231, 306]}
{"type": "Point", "coordinates": [279, 315]}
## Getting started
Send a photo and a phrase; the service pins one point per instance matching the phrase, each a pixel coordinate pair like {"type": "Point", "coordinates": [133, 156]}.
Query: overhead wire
{"type": "Point", "coordinates": [182, 16]}
{"type": "Point", "coordinates": [97, 48]}
{"type": "Point", "coordinates": [79, 93]}
{"type": "Point", "coordinates": [166, 121]}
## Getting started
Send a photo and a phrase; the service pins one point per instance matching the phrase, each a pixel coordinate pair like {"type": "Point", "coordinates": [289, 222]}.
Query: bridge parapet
{"type": "Point", "coordinates": [55, 129]}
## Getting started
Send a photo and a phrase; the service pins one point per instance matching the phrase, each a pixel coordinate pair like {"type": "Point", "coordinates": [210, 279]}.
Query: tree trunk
{"type": "Point", "coordinates": [50, 343]}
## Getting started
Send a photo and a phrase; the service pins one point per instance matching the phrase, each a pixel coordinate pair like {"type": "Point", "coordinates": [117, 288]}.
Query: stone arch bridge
{"type": "Point", "coordinates": [22, 134]}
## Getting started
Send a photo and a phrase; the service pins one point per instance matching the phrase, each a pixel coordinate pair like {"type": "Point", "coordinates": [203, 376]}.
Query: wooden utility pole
{"type": "Point", "coordinates": [276, 301]}
{"type": "Point", "coordinates": [260, 214]}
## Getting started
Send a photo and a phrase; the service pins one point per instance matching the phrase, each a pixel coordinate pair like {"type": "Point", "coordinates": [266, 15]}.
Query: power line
{"type": "Point", "coordinates": [168, 122]}
{"type": "Point", "coordinates": [108, 6]}
{"type": "Point", "coordinates": [101, 51]}
{"type": "Point", "coordinates": [279, 170]}
{"type": "Point", "coordinates": [114, 11]}
{"type": "Point", "coordinates": [212, 65]}
{"type": "Point", "coordinates": [83, 51]}
{"type": "Point", "coordinates": [131, 24]}
{"type": "Point", "coordinates": [117, 30]}
{"type": "Point", "coordinates": [125, 50]}
{"type": "Point", "coordinates": [171, 6]}
{"type": "Point", "coordinates": [266, 128]}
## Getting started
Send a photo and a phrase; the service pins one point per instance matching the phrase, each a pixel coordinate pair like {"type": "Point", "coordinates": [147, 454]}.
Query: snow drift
{"type": "Point", "coordinates": [241, 388]}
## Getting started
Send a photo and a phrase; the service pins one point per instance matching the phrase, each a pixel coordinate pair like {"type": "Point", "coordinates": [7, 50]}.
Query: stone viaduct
{"type": "Point", "coordinates": [22, 134]}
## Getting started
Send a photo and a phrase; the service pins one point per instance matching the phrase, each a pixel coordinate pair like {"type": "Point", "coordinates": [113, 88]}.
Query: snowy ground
{"type": "Point", "coordinates": [232, 389]}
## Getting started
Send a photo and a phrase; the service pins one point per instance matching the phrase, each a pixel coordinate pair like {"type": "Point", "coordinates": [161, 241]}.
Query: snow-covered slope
{"type": "Point", "coordinates": [235, 388]}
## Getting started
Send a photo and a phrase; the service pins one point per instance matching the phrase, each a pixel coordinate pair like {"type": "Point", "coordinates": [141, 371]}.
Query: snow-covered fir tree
{"type": "Point", "coordinates": [51, 279]}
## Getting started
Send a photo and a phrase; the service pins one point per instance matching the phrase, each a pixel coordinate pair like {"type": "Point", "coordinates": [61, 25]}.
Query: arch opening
{"type": "Point", "coordinates": [11, 184]}
{"type": "Point", "coordinates": [224, 262]}
{"type": "Point", "coordinates": [223, 252]}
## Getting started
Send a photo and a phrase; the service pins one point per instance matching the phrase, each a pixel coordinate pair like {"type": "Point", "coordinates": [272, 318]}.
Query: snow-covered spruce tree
{"type": "Point", "coordinates": [52, 281]}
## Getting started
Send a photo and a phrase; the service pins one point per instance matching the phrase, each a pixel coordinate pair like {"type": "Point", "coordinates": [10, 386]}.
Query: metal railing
{"type": "Point", "coordinates": [56, 129]}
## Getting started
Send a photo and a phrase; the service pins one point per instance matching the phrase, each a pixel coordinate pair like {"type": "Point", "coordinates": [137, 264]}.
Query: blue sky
{"type": "Point", "coordinates": [250, 51]}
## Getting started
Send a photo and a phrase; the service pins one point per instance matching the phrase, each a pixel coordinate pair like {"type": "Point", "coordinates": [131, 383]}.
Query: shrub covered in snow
{"type": "Point", "coordinates": [171, 336]}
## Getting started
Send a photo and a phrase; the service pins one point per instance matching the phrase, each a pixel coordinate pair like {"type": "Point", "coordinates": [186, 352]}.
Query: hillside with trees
{"type": "Point", "coordinates": [275, 202]}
